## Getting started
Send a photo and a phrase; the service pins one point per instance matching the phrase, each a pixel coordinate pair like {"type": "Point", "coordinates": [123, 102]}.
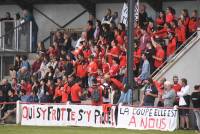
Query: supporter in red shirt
{"type": "Point", "coordinates": [160, 87]}
{"type": "Point", "coordinates": [114, 51]}
{"type": "Point", "coordinates": [105, 65]}
{"type": "Point", "coordinates": [180, 32]}
{"type": "Point", "coordinates": [92, 67]}
{"type": "Point", "coordinates": [176, 85]}
{"type": "Point", "coordinates": [137, 55]}
{"type": "Point", "coordinates": [65, 90]}
{"type": "Point", "coordinates": [26, 86]}
{"type": "Point", "coordinates": [52, 52]}
{"type": "Point", "coordinates": [58, 91]}
{"type": "Point", "coordinates": [123, 60]}
{"type": "Point", "coordinates": [162, 33]}
{"type": "Point", "coordinates": [171, 47]}
{"type": "Point", "coordinates": [122, 29]}
{"type": "Point", "coordinates": [118, 37]}
{"type": "Point", "coordinates": [169, 15]}
{"type": "Point", "coordinates": [36, 65]}
{"type": "Point", "coordinates": [114, 69]}
{"type": "Point", "coordinates": [76, 92]}
{"type": "Point", "coordinates": [160, 20]}
{"type": "Point", "coordinates": [185, 17]}
{"type": "Point", "coordinates": [193, 23]}
{"type": "Point", "coordinates": [160, 54]}
{"type": "Point", "coordinates": [81, 70]}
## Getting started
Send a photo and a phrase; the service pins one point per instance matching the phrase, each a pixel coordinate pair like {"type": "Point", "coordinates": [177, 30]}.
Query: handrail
{"type": "Point", "coordinates": [177, 52]}
{"type": "Point", "coordinates": [11, 30]}
{"type": "Point", "coordinates": [15, 31]}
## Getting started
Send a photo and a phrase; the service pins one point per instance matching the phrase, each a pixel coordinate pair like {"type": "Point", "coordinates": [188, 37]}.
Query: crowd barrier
{"type": "Point", "coordinates": [110, 116]}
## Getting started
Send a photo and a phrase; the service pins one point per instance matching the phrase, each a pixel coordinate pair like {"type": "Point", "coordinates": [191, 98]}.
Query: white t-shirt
{"type": "Point", "coordinates": [184, 92]}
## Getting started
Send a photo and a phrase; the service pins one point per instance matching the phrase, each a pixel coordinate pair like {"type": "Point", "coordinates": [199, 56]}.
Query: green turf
{"type": "Point", "coordinates": [8, 129]}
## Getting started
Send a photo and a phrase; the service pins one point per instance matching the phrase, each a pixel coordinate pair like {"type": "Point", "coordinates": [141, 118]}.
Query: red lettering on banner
{"type": "Point", "coordinates": [151, 122]}
{"type": "Point", "coordinates": [25, 113]}
{"type": "Point", "coordinates": [73, 116]}
{"type": "Point", "coordinates": [143, 123]}
{"type": "Point", "coordinates": [132, 121]}
{"type": "Point", "coordinates": [62, 113]}
{"type": "Point", "coordinates": [88, 115]}
{"type": "Point", "coordinates": [53, 117]}
{"type": "Point", "coordinates": [163, 123]}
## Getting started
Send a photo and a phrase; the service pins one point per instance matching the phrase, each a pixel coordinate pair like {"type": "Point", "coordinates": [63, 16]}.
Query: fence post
{"type": "Point", "coordinates": [18, 113]}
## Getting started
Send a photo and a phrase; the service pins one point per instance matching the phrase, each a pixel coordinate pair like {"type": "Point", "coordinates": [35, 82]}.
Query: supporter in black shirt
{"type": "Point", "coordinates": [2, 99]}
{"type": "Point", "coordinates": [150, 93]}
{"type": "Point", "coordinates": [150, 51]}
{"type": "Point", "coordinates": [196, 104]}
{"type": "Point", "coordinates": [5, 87]}
{"type": "Point", "coordinates": [143, 17]}
{"type": "Point", "coordinates": [11, 108]}
{"type": "Point", "coordinates": [90, 30]}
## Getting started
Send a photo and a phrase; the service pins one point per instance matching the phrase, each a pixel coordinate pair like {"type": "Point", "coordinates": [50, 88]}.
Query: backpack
{"type": "Point", "coordinates": [95, 96]}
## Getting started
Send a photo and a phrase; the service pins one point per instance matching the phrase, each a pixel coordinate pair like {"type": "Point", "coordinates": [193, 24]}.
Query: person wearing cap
{"type": "Point", "coordinates": [169, 95]}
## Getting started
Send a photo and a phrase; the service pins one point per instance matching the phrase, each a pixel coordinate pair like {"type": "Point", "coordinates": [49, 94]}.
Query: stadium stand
{"type": "Point", "coordinates": [90, 65]}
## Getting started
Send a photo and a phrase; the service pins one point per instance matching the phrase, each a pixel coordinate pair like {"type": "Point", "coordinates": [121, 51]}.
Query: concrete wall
{"type": "Point", "coordinates": [13, 9]}
{"type": "Point", "coordinates": [179, 5]}
{"type": "Point", "coordinates": [185, 67]}
{"type": "Point", "coordinates": [60, 13]}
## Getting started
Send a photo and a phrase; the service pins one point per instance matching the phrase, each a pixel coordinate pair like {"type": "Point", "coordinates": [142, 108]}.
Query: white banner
{"type": "Point", "coordinates": [124, 14]}
{"type": "Point", "coordinates": [64, 115]}
{"type": "Point", "coordinates": [147, 118]}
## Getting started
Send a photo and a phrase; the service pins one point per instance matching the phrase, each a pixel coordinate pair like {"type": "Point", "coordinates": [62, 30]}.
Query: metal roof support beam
{"type": "Point", "coordinates": [89, 6]}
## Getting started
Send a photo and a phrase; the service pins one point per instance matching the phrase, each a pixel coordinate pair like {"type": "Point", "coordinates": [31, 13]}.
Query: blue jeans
{"type": "Point", "coordinates": [126, 98]}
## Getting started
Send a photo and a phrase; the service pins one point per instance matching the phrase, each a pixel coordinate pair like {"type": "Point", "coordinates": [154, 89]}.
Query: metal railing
{"type": "Point", "coordinates": [177, 53]}
{"type": "Point", "coordinates": [15, 36]}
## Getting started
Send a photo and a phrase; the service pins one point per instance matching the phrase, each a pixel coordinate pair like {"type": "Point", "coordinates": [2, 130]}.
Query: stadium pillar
{"type": "Point", "coordinates": [131, 7]}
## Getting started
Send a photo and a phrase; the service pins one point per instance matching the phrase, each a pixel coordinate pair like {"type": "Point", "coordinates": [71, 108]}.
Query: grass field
{"type": "Point", "coordinates": [13, 129]}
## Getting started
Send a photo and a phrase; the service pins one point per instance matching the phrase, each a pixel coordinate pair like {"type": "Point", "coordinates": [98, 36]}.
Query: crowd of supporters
{"type": "Point", "coordinates": [94, 67]}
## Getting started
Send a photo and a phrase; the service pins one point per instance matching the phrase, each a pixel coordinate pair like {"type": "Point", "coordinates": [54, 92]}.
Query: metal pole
{"type": "Point", "coordinates": [31, 37]}
{"type": "Point", "coordinates": [1, 67]}
{"type": "Point", "coordinates": [131, 7]}
{"type": "Point", "coordinates": [0, 35]}
{"type": "Point", "coordinates": [15, 31]}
